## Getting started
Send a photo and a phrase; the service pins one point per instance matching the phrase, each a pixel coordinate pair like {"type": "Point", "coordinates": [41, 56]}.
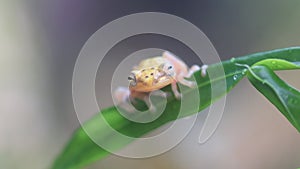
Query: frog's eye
{"type": "Point", "coordinates": [132, 79]}
{"type": "Point", "coordinates": [168, 69]}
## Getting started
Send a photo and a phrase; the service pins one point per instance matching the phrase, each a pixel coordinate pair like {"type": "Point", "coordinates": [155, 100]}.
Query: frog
{"type": "Point", "coordinates": [154, 73]}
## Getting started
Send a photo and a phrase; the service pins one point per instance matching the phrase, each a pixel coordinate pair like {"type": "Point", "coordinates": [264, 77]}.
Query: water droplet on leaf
{"type": "Point", "coordinates": [244, 71]}
{"type": "Point", "coordinates": [235, 77]}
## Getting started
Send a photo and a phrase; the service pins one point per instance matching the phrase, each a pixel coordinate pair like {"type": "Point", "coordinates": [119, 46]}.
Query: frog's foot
{"type": "Point", "coordinates": [123, 99]}
{"type": "Point", "coordinates": [147, 100]}
{"type": "Point", "coordinates": [160, 94]}
{"type": "Point", "coordinates": [149, 104]}
{"type": "Point", "coordinates": [121, 96]}
{"type": "Point", "coordinates": [203, 70]}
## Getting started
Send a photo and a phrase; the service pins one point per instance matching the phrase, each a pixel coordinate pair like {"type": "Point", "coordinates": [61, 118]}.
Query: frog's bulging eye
{"type": "Point", "coordinates": [168, 69]}
{"type": "Point", "coordinates": [132, 79]}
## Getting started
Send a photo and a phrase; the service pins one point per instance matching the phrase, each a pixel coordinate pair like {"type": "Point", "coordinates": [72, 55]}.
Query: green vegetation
{"type": "Point", "coordinates": [258, 68]}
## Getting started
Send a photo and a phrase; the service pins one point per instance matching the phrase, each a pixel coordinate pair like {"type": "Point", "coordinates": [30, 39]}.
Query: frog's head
{"type": "Point", "coordinates": [152, 78]}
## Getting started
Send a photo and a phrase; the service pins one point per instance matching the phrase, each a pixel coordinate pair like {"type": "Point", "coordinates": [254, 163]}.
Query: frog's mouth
{"type": "Point", "coordinates": [156, 82]}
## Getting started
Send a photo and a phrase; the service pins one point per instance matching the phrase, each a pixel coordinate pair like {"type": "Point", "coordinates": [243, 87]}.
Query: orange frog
{"type": "Point", "coordinates": [153, 74]}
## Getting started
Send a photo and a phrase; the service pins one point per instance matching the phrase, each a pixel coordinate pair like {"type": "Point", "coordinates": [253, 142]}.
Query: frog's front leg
{"type": "Point", "coordinates": [145, 96]}
{"type": "Point", "coordinates": [123, 97]}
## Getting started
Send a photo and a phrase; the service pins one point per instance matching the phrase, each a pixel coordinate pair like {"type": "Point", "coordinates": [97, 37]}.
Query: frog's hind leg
{"type": "Point", "coordinates": [192, 70]}
{"type": "Point", "coordinates": [124, 97]}
{"type": "Point", "coordinates": [181, 77]}
{"type": "Point", "coordinates": [203, 70]}
{"type": "Point", "coordinates": [196, 68]}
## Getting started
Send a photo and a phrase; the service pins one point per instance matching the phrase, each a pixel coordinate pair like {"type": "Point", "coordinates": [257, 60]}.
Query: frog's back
{"type": "Point", "coordinates": [151, 62]}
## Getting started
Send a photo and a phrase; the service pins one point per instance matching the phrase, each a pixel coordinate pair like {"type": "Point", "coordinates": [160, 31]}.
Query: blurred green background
{"type": "Point", "coordinates": [40, 41]}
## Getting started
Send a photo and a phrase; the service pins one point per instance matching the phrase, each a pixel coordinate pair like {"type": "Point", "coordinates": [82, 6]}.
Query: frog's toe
{"type": "Point", "coordinates": [152, 109]}
{"type": "Point", "coordinates": [127, 107]}
{"type": "Point", "coordinates": [159, 93]}
{"type": "Point", "coordinates": [178, 96]}
{"type": "Point", "coordinates": [192, 84]}
{"type": "Point", "coordinates": [203, 70]}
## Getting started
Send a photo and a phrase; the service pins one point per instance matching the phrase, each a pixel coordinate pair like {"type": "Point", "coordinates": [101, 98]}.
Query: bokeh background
{"type": "Point", "coordinates": [40, 41]}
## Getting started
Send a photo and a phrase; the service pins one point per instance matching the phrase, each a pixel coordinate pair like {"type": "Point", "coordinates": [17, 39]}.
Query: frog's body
{"type": "Point", "coordinates": [150, 76]}
{"type": "Point", "coordinates": [155, 73]}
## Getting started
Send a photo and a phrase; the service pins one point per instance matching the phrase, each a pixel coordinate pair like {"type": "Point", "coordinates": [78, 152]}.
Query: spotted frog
{"type": "Point", "coordinates": [153, 74]}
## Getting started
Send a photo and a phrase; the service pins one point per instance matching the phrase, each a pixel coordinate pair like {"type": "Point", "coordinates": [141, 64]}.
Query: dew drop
{"type": "Point", "coordinates": [276, 65]}
{"type": "Point", "coordinates": [244, 71]}
{"type": "Point", "coordinates": [274, 62]}
{"type": "Point", "coordinates": [235, 77]}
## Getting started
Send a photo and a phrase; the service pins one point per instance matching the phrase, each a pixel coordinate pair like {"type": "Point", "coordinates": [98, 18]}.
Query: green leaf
{"type": "Point", "coordinates": [283, 96]}
{"type": "Point", "coordinates": [278, 64]}
{"type": "Point", "coordinates": [82, 150]}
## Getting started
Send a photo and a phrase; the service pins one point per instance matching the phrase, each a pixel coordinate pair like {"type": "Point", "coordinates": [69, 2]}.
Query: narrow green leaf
{"type": "Point", "coordinates": [278, 64]}
{"type": "Point", "coordinates": [82, 150]}
{"type": "Point", "coordinates": [283, 96]}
